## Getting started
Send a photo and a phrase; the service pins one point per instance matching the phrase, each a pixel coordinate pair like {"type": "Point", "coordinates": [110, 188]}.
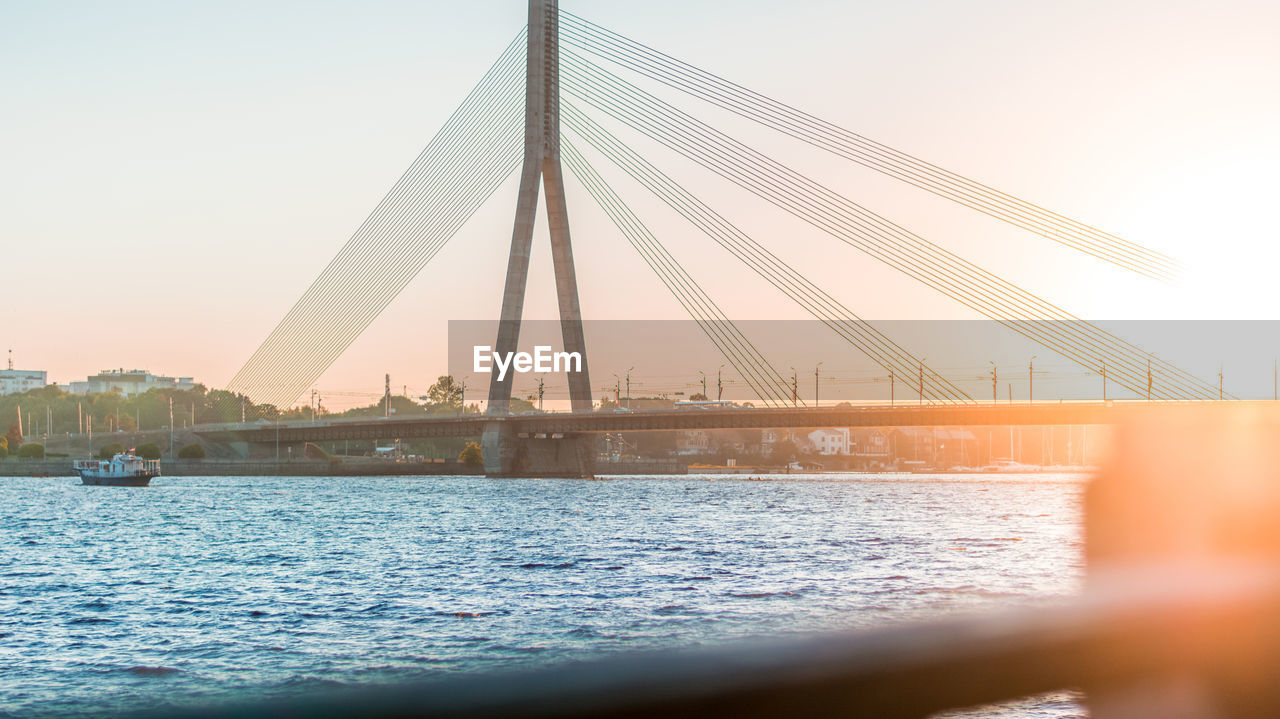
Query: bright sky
{"type": "Point", "coordinates": [176, 174]}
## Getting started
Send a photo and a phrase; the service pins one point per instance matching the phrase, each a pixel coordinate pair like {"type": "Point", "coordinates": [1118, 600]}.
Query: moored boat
{"type": "Point", "coordinates": [123, 470]}
{"type": "Point", "coordinates": [1009, 465]}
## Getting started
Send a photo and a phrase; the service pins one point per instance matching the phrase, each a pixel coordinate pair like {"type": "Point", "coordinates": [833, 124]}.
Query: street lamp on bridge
{"type": "Point", "coordinates": [629, 386]}
{"type": "Point", "coordinates": [1031, 380]}
{"type": "Point", "coordinates": [815, 385]}
{"type": "Point", "coordinates": [921, 389]}
{"type": "Point", "coordinates": [995, 382]}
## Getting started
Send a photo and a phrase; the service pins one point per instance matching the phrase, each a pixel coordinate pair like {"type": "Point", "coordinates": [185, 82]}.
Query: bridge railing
{"type": "Point", "coordinates": [1122, 405]}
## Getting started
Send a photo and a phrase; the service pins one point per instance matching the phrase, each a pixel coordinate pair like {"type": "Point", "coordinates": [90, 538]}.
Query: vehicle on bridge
{"type": "Point", "coordinates": [704, 404]}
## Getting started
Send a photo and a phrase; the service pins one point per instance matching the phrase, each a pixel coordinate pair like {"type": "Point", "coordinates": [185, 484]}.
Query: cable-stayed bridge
{"type": "Point", "coordinates": [551, 95]}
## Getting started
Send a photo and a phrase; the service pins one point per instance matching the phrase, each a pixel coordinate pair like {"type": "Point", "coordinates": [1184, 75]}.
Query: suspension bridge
{"type": "Point", "coordinates": [566, 90]}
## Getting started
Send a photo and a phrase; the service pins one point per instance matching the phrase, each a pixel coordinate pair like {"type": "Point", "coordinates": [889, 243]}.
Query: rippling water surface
{"type": "Point", "coordinates": [207, 588]}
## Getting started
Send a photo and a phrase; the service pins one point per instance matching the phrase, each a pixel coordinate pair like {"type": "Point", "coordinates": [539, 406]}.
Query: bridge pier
{"type": "Point", "coordinates": [510, 453]}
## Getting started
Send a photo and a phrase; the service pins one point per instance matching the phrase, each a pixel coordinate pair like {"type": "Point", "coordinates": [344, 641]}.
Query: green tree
{"type": "Point", "coordinates": [148, 451]}
{"type": "Point", "coordinates": [31, 450]}
{"type": "Point", "coordinates": [224, 406]}
{"type": "Point", "coordinates": [13, 438]}
{"type": "Point", "coordinates": [110, 450]}
{"type": "Point", "coordinates": [446, 391]}
{"type": "Point", "coordinates": [471, 455]}
{"type": "Point", "coordinates": [191, 451]}
{"type": "Point", "coordinates": [4, 451]}
{"type": "Point", "coordinates": [784, 451]}
{"type": "Point", "coordinates": [520, 406]}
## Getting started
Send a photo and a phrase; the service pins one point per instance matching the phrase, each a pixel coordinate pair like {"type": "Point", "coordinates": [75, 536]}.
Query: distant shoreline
{"type": "Point", "coordinates": [61, 468]}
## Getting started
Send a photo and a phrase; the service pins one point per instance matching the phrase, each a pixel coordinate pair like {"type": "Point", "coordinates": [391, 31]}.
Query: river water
{"type": "Point", "coordinates": [199, 589]}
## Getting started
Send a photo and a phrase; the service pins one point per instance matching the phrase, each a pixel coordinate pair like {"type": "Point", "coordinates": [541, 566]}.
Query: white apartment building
{"type": "Point", "coordinates": [830, 441]}
{"type": "Point", "coordinates": [14, 381]}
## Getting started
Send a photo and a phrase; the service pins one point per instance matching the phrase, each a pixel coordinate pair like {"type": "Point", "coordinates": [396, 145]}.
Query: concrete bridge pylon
{"type": "Point", "coordinates": [506, 453]}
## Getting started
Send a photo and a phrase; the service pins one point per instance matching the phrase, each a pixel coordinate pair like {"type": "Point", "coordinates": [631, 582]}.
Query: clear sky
{"type": "Point", "coordinates": [175, 174]}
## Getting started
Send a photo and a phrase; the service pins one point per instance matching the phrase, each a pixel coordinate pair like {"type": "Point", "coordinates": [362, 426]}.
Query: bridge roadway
{"type": "Point", "coordinates": [552, 424]}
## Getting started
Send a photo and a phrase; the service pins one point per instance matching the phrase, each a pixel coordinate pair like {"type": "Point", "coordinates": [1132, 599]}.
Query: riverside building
{"type": "Point", "coordinates": [128, 382]}
{"type": "Point", "coordinates": [16, 381]}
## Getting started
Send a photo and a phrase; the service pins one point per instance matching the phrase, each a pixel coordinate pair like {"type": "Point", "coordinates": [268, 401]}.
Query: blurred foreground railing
{"type": "Point", "coordinates": [1180, 618]}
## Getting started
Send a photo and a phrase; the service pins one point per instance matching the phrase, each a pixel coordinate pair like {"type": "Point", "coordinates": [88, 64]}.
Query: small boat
{"type": "Point", "coordinates": [1008, 465]}
{"type": "Point", "coordinates": [123, 470]}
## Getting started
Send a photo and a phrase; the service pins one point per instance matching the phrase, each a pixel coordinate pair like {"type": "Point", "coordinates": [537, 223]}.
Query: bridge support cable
{"type": "Point", "coordinates": [370, 251]}
{"type": "Point", "coordinates": [314, 354]}
{"type": "Point", "coordinates": [763, 379]}
{"type": "Point", "coordinates": [822, 306]}
{"type": "Point", "coordinates": [463, 165]}
{"type": "Point", "coordinates": [831, 212]}
{"type": "Point", "coordinates": [803, 126]}
{"type": "Point", "coordinates": [375, 257]}
{"type": "Point", "coordinates": [666, 141]}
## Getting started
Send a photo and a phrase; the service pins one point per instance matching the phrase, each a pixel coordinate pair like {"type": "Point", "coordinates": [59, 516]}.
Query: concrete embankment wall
{"type": "Point", "coordinates": [232, 468]}
{"type": "Point", "coordinates": [12, 467]}
{"type": "Point", "coordinates": [641, 468]}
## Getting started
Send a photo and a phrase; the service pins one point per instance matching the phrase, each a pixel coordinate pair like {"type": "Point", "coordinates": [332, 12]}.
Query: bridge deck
{"type": "Point", "coordinates": [705, 419]}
